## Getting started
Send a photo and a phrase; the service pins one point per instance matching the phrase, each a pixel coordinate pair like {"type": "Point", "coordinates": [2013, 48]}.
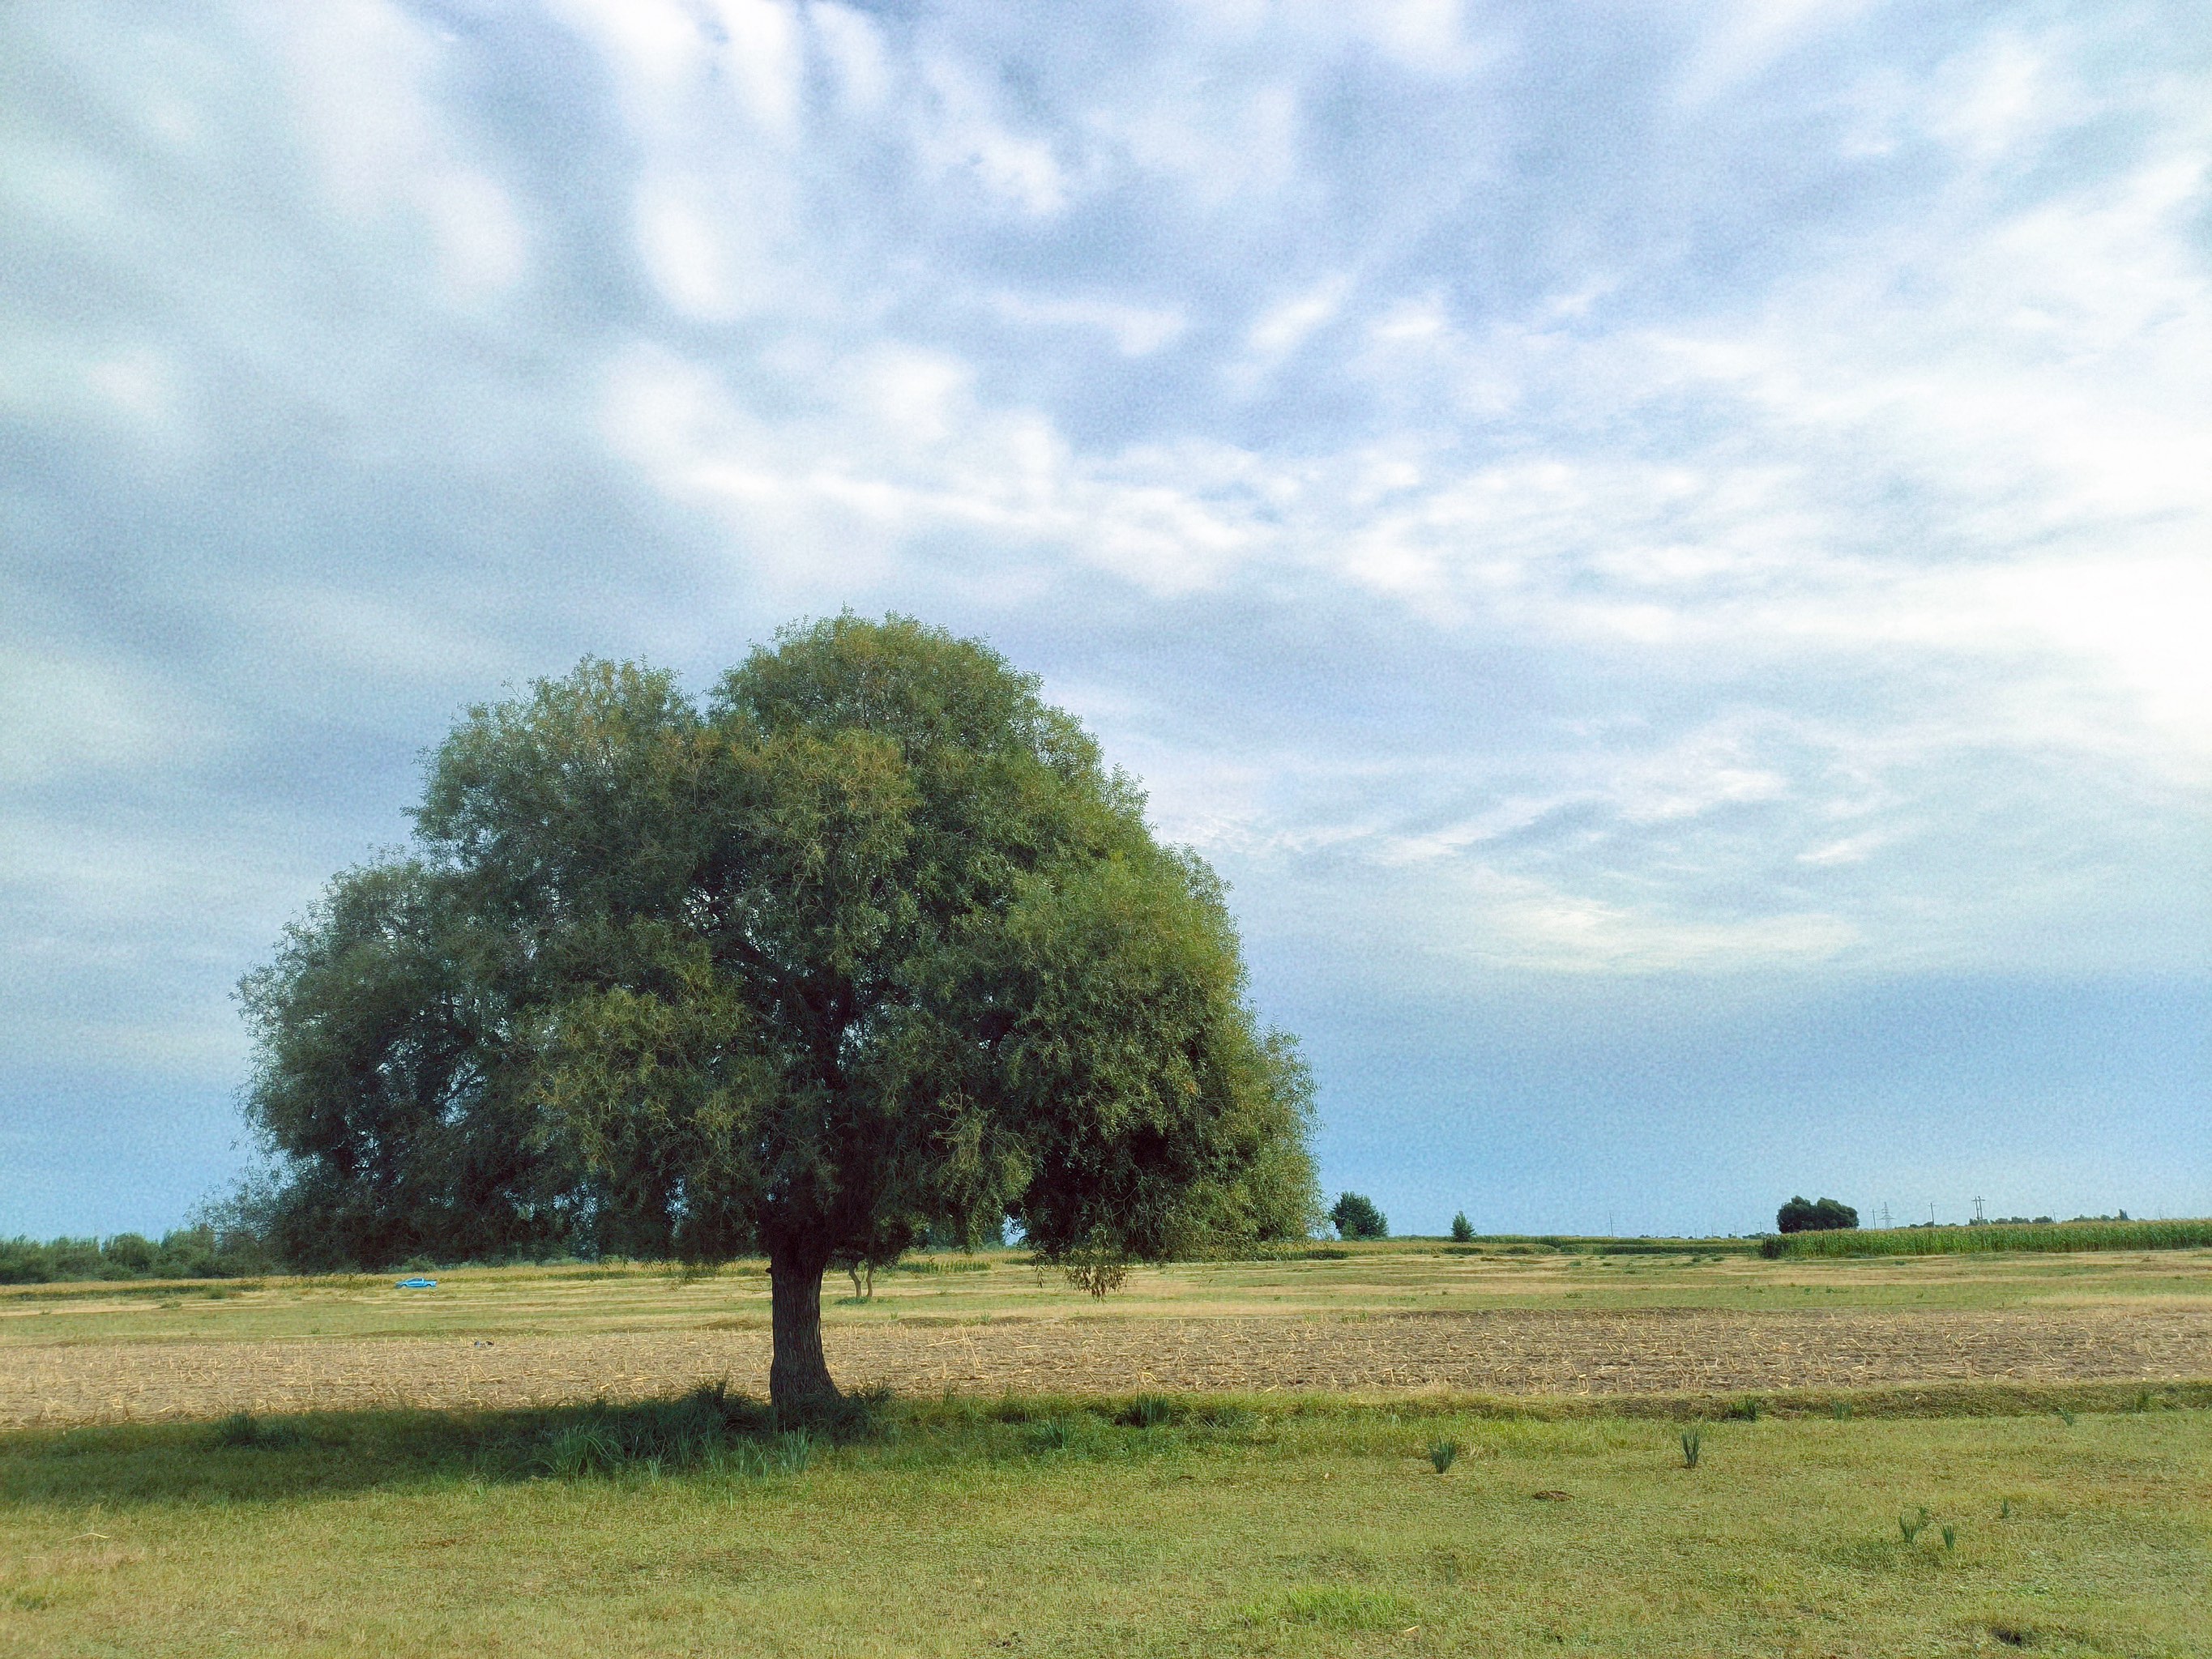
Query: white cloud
{"type": "Point", "coordinates": [63, 714]}
{"type": "Point", "coordinates": [695, 253]}
{"type": "Point", "coordinates": [1528, 926]}
{"type": "Point", "coordinates": [962, 132]}
{"type": "Point", "coordinates": [363, 78]}
{"type": "Point", "coordinates": [1851, 849]}
{"type": "Point", "coordinates": [1428, 37]}
{"type": "Point", "coordinates": [1289, 323]}
{"type": "Point", "coordinates": [658, 45]}
{"type": "Point", "coordinates": [901, 450]}
{"type": "Point", "coordinates": [855, 49]}
{"type": "Point", "coordinates": [1747, 36]}
{"type": "Point", "coordinates": [762, 54]}
{"type": "Point", "coordinates": [1136, 331]}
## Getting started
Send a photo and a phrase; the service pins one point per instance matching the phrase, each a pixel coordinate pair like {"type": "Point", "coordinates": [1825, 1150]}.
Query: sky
{"type": "Point", "coordinates": [1665, 551]}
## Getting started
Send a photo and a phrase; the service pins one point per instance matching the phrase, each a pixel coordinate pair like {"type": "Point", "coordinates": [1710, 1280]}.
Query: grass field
{"type": "Point", "coordinates": [2079, 1509]}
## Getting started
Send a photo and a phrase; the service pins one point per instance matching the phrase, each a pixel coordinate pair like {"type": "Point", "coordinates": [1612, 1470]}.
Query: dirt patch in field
{"type": "Point", "coordinates": [1503, 1351]}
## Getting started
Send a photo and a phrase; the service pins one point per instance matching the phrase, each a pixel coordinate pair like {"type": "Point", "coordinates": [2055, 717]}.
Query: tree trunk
{"type": "Point", "coordinates": [798, 1375]}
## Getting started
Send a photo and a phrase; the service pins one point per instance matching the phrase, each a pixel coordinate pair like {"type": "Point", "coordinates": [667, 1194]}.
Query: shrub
{"type": "Point", "coordinates": [1356, 1217]}
{"type": "Point", "coordinates": [1823, 1215]}
{"type": "Point", "coordinates": [1462, 1229]}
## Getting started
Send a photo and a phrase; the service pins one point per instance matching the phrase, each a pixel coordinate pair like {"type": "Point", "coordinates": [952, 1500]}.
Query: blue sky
{"type": "Point", "coordinates": [1665, 551]}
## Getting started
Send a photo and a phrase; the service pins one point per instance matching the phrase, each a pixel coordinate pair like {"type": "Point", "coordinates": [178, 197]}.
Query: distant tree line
{"type": "Point", "coordinates": [197, 1252]}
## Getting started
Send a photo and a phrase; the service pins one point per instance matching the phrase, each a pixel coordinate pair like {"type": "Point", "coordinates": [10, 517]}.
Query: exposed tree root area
{"type": "Point", "coordinates": [1509, 1351]}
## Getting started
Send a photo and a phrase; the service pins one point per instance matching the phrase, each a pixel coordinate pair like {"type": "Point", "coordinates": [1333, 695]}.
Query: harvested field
{"type": "Point", "coordinates": [1499, 1351]}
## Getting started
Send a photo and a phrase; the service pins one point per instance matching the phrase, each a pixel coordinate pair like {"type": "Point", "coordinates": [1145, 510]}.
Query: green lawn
{"type": "Point", "coordinates": [1262, 1525]}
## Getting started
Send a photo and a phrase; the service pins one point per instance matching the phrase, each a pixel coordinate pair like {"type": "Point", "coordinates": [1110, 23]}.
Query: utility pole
{"type": "Point", "coordinates": [1978, 1212]}
{"type": "Point", "coordinates": [1931, 1215]}
{"type": "Point", "coordinates": [1885, 1217]}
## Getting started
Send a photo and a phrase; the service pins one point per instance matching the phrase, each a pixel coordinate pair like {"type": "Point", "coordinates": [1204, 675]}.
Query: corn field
{"type": "Point", "coordinates": [1962, 1241]}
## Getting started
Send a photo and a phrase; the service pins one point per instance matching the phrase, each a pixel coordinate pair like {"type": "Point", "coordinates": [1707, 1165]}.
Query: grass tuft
{"type": "Point", "coordinates": [1343, 1606]}
{"type": "Point", "coordinates": [571, 1454]}
{"type": "Point", "coordinates": [1148, 1411]}
{"type": "Point", "coordinates": [1443, 1453]}
{"type": "Point", "coordinates": [1693, 1444]}
{"type": "Point", "coordinates": [1052, 1435]}
{"type": "Point", "coordinates": [244, 1431]}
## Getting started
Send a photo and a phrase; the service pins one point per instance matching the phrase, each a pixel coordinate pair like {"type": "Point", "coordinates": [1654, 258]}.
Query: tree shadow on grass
{"type": "Point", "coordinates": [708, 1433]}
{"type": "Point", "coordinates": [247, 1459]}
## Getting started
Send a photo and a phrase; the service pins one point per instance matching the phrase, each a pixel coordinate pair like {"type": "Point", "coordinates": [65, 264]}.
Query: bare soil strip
{"type": "Point", "coordinates": [1499, 1351]}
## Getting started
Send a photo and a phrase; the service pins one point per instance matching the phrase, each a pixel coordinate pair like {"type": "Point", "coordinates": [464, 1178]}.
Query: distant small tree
{"type": "Point", "coordinates": [1356, 1217]}
{"type": "Point", "coordinates": [1825, 1215]}
{"type": "Point", "coordinates": [1462, 1229]}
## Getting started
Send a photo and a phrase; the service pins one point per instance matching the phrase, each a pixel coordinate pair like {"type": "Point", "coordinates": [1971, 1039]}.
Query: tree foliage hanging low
{"type": "Point", "coordinates": [868, 945]}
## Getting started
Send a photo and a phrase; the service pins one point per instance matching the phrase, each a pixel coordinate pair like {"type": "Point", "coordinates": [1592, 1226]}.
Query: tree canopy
{"type": "Point", "coordinates": [1354, 1216]}
{"type": "Point", "coordinates": [1802, 1215]}
{"type": "Point", "coordinates": [867, 943]}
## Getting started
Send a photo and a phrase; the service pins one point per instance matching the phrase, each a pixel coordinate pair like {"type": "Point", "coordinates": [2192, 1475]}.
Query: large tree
{"type": "Point", "coordinates": [868, 944]}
